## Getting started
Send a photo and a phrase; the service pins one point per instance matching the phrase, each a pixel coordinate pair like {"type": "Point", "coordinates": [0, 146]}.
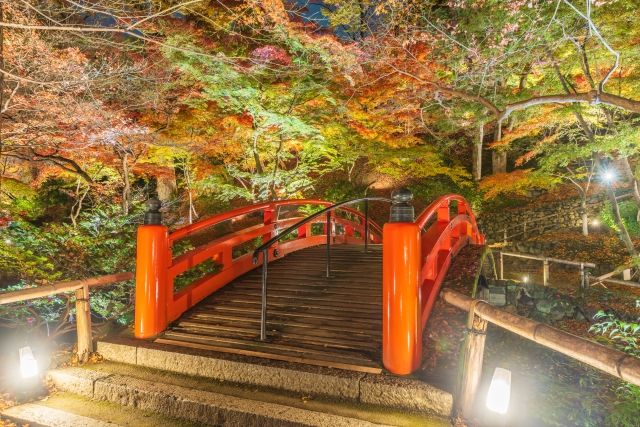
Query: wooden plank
{"type": "Point", "coordinates": [331, 321]}
{"type": "Point", "coordinates": [314, 287]}
{"type": "Point", "coordinates": [366, 311]}
{"type": "Point", "coordinates": [358, 281]}
{"type": "Point", "coordinates": [345, 316]}
{"type": "Point", "coordinates": [293, 330]}
{"type": "Point", "coordinates": [302, 290]}
{"type": "Point", "coordinates": [373, 331]}
{"type": "Point", "coordinates": [304, 297]}
{"type": "Point", "coordinates": [243, 333]}
{"type": "Point", "coordinates": [303, 360]}
{"type": "Point", "coordinates": [366, 333]}
{"type": "Point", "coordinates": [274, 347]}
{"type": "Point", "coordinates": [334, 292]}
{"type": "Point", "coordinates": [240, 302]}
{"type": "Point", "coordinates": [326, 354]}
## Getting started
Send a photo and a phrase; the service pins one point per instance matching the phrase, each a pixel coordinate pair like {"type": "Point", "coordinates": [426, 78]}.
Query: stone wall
{"type": "Point", "coordinates": [562, 214]}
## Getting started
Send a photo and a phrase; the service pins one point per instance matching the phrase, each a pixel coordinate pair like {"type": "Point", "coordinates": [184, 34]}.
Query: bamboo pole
{"type": "Point", "coordinates": [555, 260]}
{"type": "Point", "coordinates": [597, 280]}
{"type": "Point", "coordinates": [60, 287]}
{"type": "Point", "coordinates": [83, 324]}
{"type": "Point", "coordinates": [613, 362]}
{"type": "Point", "coordinates": [472, 362]}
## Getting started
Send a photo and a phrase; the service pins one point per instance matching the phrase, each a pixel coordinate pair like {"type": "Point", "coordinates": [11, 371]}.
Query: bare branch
{"type": "Point", "coordinates": [595, 31]}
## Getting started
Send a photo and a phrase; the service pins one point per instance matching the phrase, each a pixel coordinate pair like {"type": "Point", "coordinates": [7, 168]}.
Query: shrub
{"type": "Point", "coordinates": [102, 243]}
{"type": "Point", "coordinates": [624, 335]}
{"type": "Point", "coordinates": [628, 212]}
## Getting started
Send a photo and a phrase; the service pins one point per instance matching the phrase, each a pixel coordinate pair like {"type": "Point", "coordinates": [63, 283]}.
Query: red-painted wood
{"type": "Point", "coordinates": [441, 234]}
{"type": "Point", "coordinates": [220, 250]}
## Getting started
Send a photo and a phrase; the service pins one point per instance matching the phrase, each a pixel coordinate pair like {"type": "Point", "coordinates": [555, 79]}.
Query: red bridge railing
{"type": "Point", "coordinates": [416, 256]}
{"type": "Point", "coordinates": [157, 269]}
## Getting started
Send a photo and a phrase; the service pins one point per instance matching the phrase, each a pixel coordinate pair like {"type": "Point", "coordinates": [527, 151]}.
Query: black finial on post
{"type": "Point", "coordinates": [153, 216]}
{"type": "Point", "coordinates": [401, 208]}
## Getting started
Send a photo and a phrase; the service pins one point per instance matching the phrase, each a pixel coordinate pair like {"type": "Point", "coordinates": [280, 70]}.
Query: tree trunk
{"type": "Point", "coordinates": [256, 155]}
{"type": "Point", "coordinates": [126, 189]}
{"type": "Point", "coordinates": [615, 210]}
{"type": "Point", "coordinates": [499, 162]}
{"type": "Point", "coordinates": [477, 155]}
{"type": "Point", "coordinates": [622, 229]}
{"type": "Point", "coordinates": [166, 187]}
{"type": "Point", "coordinates": [633, 184]}
{"type": "Point", "coordinates": [498, 158]}
{"type": "Point", "coordinates": [585, 215]}
{"type": "Point", "coordinates": [187, 177]}
{"type": "Point", "coordinates": [77, 206]}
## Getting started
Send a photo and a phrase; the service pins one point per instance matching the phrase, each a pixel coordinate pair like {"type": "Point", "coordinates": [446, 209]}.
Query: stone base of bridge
{"type": "Point", "coordinates": [382, 389]}
{"type": "Point", "coordinates": [224, 389]}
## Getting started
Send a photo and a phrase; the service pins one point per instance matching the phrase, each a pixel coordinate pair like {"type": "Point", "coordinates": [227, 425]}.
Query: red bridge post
{"type": "Point", "coordinates": [401, 256]}
{"type": "Point", "coordinates": [152, 264]}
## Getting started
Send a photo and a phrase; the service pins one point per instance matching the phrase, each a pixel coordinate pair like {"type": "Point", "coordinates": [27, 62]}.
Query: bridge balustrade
{"type": "Point", "coordinates": [416, 256]}
{"type": "Point", "coordinates": [157, 269]}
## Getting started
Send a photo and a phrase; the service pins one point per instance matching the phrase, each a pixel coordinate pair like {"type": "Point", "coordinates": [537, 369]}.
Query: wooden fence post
{"type": "Point", "coordinates": [83, 324]}
{"type": "Point", "coordinates": [545, 272]}
{"type": "Point", "coordinates": [472, 362]}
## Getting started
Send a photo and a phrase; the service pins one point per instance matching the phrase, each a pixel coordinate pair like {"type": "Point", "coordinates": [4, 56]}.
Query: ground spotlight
{"type": "Point", "coordinates": [499, 391]}
{"type": "Point", "coordinates": [525, 279]}
{"type": "Point", "coordinates": [595, 223]}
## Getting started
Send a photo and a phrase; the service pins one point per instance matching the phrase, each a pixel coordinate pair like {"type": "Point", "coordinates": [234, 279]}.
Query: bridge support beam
{"type": "Point", "coordinates": [401, 262]}
{"type": "Point", "coordinates": [152, 269]}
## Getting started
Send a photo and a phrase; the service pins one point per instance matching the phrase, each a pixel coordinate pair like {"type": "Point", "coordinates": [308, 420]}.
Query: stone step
{"type": "Point", "coordinates": [33, 413]}
{"type": "Point", "coordinates": [383, 390]}
{"type": "Point", "coordinates": [69, 410]}
{"type": "Point", "coordinates": [204, 401]}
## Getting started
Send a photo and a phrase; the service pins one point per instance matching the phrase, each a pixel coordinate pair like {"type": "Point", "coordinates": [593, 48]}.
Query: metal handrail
{"type": "Point", "coordinates": [264, 248]}
{"type": "Point", "coordinates": [313, 216]}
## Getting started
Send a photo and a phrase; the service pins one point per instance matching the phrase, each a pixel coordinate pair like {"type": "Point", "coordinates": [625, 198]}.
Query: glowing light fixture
{"type": "Point", "coordinates": [28, 363]}
{"type": "Point", "coordinates": [525, 279]}
{"type": "Point", "coordinates": [609, 176]}
{"type": "Point", "coordinates": [499, 391]}
{"type": "Point", "coordinates": [595, 223]}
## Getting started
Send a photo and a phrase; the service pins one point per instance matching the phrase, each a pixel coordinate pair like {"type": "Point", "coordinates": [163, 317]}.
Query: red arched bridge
{"type": "Point", "coordinates": [326, 285]}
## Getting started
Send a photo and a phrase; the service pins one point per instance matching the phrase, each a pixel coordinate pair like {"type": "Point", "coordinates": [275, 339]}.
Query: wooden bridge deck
{"type": "Point", "coordinates": [334, 322]}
